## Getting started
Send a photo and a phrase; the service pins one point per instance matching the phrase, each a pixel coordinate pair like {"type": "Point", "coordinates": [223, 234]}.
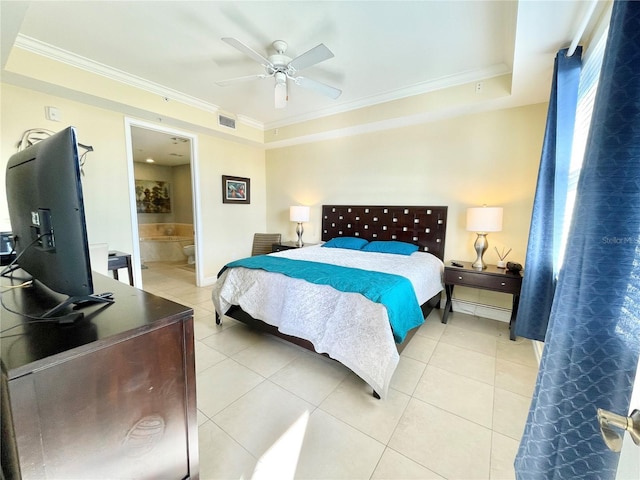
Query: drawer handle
{"type": "Point", "coordinates": [459, 278]}
{"type": "Point", "coordinates": [503, 284]}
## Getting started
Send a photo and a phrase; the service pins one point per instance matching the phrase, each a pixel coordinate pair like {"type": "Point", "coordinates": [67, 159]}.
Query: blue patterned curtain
{"type": "Point", "coordinates": [593, 339]}
{"type": "Point", "coordinates": [545, 232]}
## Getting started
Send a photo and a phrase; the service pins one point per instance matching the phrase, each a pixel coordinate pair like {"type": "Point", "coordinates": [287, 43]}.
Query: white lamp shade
{"type": "Point", "coordinates": [484, 219]}
{"type": "Point", "coordinates": [299, 214]}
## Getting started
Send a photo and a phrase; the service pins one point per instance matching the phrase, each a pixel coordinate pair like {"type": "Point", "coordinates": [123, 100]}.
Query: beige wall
{"type": "Point", "coordinates": [227, 229]}
{"type": "Point", "coordinates": [470, 160]}
{"type": "Point", "coordinates": [106, 192]}
{"type": "Point", "coordinates": [183, 194]}
{"type": "Point", "coordinates": [486, 158]}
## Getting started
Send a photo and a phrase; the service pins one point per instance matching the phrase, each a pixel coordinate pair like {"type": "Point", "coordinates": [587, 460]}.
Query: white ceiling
{"type": "Point", "coordinates": [383, 49]}
{"type": "Point", "coordinates": [164, 149]}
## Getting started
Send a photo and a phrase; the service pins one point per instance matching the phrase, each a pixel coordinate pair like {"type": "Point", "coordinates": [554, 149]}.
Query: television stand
{"type": "Point", "coordinates": [113, 396]}
{"type": "Point", "coordinates": [8, 269]}
{"type": "Point", "coordinates": [79, 302]}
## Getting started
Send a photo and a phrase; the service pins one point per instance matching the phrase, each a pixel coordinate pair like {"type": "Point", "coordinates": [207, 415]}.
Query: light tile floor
{"type": "Point", "coordinates": [270, 410]}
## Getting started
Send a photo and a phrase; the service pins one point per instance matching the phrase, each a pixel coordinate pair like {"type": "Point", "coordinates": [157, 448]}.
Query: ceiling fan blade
{"type": "Point", "coordinates": [232, 81]}
{"type": "Point", "coordinates": [319, 87]}
{"type": "Point", "coordinates": [281, 96]}
{"type": "Point", "coordinates": [237, 44]}
{"type": "Point", "coordinates": [317, 54]}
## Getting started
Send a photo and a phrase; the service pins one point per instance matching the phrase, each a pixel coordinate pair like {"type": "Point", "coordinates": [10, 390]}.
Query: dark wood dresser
{"type": "Point", "coordinates": [111, 396]}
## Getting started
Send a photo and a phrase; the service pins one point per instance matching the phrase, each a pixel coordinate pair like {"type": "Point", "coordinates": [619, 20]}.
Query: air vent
{"type": "Point", "coordinates": [227, 121]}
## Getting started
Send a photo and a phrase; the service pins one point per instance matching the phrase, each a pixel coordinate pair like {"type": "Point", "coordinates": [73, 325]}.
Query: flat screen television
{"type": "Point", "coordinates": [46, 211]}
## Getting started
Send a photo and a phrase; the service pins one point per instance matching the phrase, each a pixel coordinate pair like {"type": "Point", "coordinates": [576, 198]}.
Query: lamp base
{"type": "Point", "coordinates": [299, 232]}
{"type": "Point", "coordinates": [481, 244]}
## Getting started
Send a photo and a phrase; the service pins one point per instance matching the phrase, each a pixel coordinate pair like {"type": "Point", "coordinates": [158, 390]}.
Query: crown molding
{"type": "Point", "coordinates": [46, 50]}
{"type": "Point", "coordinates": [57, 54]}
{"type": "Point", "coordinates": [416, 89]}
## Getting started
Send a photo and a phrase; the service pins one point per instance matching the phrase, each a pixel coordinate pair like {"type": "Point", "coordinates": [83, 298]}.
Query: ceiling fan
{"type": "Point", "coordinates": [282, 68]}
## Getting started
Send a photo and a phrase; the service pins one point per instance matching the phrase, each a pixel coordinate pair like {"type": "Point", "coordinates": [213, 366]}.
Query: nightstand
{"type": "Point", "coordinates": [119, 260]}
{"type": "Point", "coordinates": [491, 278]}
{"type": "Point", "coordinates": [280, 247]}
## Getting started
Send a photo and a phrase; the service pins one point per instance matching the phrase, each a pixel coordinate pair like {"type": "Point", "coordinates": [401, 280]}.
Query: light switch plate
{"type": "Point", "coordinates": [52, 113]}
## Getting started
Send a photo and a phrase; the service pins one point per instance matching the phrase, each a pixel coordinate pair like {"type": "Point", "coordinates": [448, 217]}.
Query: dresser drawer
{"type": "Point", "coordinates": [499, 283]}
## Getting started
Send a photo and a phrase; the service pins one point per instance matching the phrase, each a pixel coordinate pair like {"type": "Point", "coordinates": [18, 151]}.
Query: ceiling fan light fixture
{"type": "Point", "coordinates": [282, 67]}
{"type": "Point", "coordinates": [281, 78]}
{"type": "Point", "coordinates": [281, 96]}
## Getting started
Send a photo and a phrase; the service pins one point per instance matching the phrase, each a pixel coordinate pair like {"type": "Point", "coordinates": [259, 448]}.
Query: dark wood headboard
{"type": "Point", "coordinates": [422, 226]}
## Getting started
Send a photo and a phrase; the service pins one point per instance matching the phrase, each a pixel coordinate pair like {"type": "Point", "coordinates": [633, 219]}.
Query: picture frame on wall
{"type": "Point", "coordinates": [153, 196]}
{"type": "Point", "coordinates": [236, 189]}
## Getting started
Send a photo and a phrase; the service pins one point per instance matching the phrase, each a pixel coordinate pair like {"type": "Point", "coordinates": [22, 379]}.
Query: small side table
{"type": "Point", "coordinates": [280, 247]}
{"type": "Point", "coordinates": [491, 278]}
{"type": "Point", "coordinates": [119, 260]}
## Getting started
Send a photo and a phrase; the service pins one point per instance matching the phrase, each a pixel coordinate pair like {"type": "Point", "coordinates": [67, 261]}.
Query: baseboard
{"type": "Point", "coordinates": [208, 281]}
{"type": "Point", "coordinates": [480, 310]}
{"type": "Point", "coordinates": [537, 349]}
{"type": "Point", "coordinates": [495, 313]}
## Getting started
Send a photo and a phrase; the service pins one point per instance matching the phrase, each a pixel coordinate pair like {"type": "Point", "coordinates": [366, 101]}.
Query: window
{"type": "Point", "coordinates": [589, 77]}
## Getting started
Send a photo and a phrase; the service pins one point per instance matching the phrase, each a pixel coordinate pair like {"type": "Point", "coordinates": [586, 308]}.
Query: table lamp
{"type": "Point", "coordinates": [483, 220]}
{"type": "Point", "coordinates": [299, 214]}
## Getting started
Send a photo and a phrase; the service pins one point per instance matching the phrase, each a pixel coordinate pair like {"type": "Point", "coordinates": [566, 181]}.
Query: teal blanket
{"type": "Point", "coordinates": [393, 291]}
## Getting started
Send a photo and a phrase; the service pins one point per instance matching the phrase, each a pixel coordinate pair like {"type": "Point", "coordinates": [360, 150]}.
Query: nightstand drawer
{"type": "Point", "coordinates": [281, 247]}
{"type": "Point", "coordinates": [277, 247]}
{"type": "Point", "coordinates": [498, 283]}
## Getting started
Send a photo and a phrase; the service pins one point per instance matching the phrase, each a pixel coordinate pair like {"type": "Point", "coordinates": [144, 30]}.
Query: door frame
{"type": "Point", "coordinates": [629, 464]}
{"type": "Point", "coordinates": [195, 194]}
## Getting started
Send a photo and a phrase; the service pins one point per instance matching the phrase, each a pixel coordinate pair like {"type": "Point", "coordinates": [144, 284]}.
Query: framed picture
{"type": "Point", "coordinates": [236, 189]}
{"type": "Point", "coordinates": [153, 196]}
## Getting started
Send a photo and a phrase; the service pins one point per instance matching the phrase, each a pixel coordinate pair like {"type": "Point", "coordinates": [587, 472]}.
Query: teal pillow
{"type": "Point", "coordinates": [392, 246]}
{"type": "Point", "coordinates": [352, 243]}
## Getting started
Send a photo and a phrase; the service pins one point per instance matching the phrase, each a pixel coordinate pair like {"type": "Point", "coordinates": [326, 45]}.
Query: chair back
{"type": "Point", "coordinates": [262, 242]}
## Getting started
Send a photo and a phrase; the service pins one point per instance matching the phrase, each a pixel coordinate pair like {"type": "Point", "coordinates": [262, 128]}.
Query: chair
{"type": "Point", "coordinates": [262, 242]}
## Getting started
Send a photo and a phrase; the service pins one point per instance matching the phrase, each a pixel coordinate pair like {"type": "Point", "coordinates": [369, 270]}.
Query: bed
{"type": "Point", "coordinates": [297, 295]}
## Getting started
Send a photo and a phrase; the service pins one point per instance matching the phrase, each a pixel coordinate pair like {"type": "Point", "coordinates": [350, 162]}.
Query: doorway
{"type": "Point", "coordinates": [163, 195]}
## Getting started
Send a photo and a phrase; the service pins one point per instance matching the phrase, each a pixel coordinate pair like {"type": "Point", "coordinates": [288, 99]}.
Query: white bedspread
{"type": "Point", "coordinates": [347, 326]}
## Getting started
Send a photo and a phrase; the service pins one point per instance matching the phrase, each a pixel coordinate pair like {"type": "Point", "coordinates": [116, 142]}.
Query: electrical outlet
{"type": "Point", "coordinates": [479, 87]}
{"type": "Point", "coordinates": [52, 113]}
